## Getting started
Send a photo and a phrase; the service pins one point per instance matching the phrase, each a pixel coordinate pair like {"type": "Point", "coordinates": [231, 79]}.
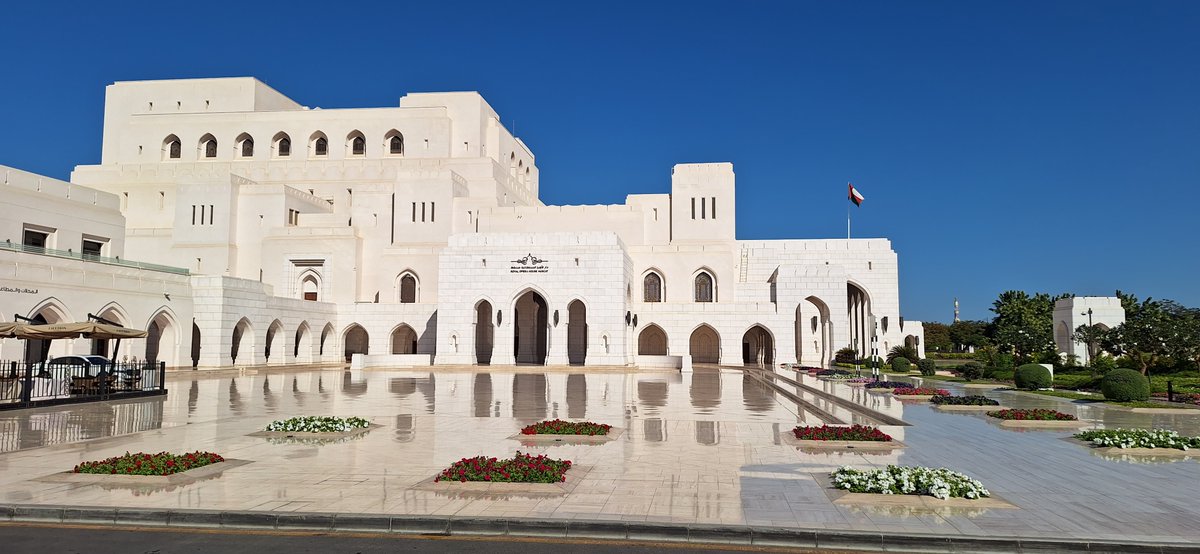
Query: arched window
{"type": "Point", "coordinates": [245, 146]}
{"type": "Point", "coordinates": [283, 145]}
{"type": "Point", "coordinates": [408, 289]}
{"type": "Point", "coordinates": [652, 288]}
{"type": "Point", "coordinates": [320, 144]}
{"type": "Point", "coordinates": [208, 146]}
{"type": "Point", "coordinates": [172, 149]}
{"type": "Point", "coordinates": [358, 144]}
{"type": "Point", "coordinates": [704, 287]}
{"type": "Point", "coordinates": [395, 143]}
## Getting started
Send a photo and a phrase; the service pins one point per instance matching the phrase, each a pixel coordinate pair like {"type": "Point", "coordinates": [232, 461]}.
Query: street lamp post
{"type": "Point", "coordinates": [1087, 351]}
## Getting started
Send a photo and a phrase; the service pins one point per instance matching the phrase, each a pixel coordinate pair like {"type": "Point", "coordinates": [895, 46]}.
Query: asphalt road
{"type": "Point", "coordinates": [86, 539]}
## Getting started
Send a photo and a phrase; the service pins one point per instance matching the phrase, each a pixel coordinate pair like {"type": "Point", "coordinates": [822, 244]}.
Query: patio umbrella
{"type": "Point", "coordinates": [51, 331]}
{"type": "Point", "coordinates": [6, 329]}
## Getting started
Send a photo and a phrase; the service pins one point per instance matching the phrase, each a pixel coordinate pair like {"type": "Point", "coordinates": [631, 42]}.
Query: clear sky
{"type": "Point", "coordinates": [1045, 146]}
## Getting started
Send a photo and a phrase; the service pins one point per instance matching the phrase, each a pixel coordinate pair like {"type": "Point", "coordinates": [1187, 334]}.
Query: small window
{"type": "Point", "coordinates": [704, 287]}
{"type": "Point", "coordinates": [408, 289]}
{"type": "Point", "coordinates": [653, 288]}
{"type": "Point", "coordinates": [285, 147]}
{"type": "Point", "coordinates": [693, 207]}
{"type": "Point", "coordinates": [92, 248]}
{"type": "Point", "coordinates": [171, 148]}
{"type": "Point", "coordinates": [248, 148]}
{"type": "Point", "coordinates": [712, 209]}
{"type": "Point", "coordinates": [209, 146]}
{"type": "Point", "coordinates": [396, 144]}
{"type": "Point", "coordinates": [703, 203]}
{"type": "Point", "coordinates": [358, 144]}
{"type": "Point", "coordinates": [321, 147]}
{"type": "Point", "coordinates": [35, 239]}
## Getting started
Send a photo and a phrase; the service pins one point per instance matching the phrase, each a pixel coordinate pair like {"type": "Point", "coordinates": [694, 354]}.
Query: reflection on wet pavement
{"type": "Point", "coordinates": [699, 447]}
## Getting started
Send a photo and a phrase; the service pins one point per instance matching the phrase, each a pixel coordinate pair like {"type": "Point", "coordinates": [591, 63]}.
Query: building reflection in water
{"type": "Point", "coordinates": [481, 395]}
{"type": "Point", "coordinates": [235, 398]}
{"type": "Point", "coordinates": [35, 429]}
{"type": "Point", "coordinates": [296, 394]}
{"type": "Point", "coordinates": [404, 428]}
{"type": "Point", "coordinates": [530, 396]}
{"type": "Point", "coordinates": [706, 390]}
{"type": "Point", "coordinates": [576, 396]}
{"type": "Point", "coordinates": [352, 387]}
{"type": "Point", "coordinates": [271, 401]}
{"type": "Point", "coordinates": [428, 388]}
{"type": "Point", "coordinates": [756, 396]}
{"type": "Point", "coordinates": [655, 429]}
{"type": "Point", "coordinates": [652, 393]}
{"type": "Point", "coordinates": [707, 432]}
{"type": "Point", "coordinates": [402, 386]}
{"type": "Point", "coordinates": [193, 396]}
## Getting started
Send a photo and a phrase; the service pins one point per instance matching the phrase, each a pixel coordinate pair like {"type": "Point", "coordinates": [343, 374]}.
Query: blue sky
{"type": "Point", "coordinates": [1044, 146]}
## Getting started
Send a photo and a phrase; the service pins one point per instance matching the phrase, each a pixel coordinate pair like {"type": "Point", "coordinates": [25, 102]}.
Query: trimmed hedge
{"type": "Point", "coordinates": [927, 367]}
{"type": "Point", "coordinates": [901, 365]}
{"type": "Point", "coordinates": [970, 371]}
{"type": "Point", "coordinates": [1032, 377]}
{"type": "Point", "coordinates": [1125, 385]}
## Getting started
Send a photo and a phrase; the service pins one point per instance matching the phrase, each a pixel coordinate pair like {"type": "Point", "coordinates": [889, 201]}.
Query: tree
{"type": "Point", "coordinates": [1147, 336]}
{"type": "Point", "coordinates": [1024, 324]}
{"type": "Point", "coordinates": [904, 351]}
{"type": "Point", "coordinates": [1092, 336]}
{"type": "Point", "coordinates": [937, 337]}
{"type": "Point", "coordinates": [969, 334]}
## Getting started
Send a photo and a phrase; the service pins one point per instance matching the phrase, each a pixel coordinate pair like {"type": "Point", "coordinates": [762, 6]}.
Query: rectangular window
{"type": "Point", "coordinates": [36, 239]}
{"type": "Point", "coordinates": [703, 202]}
{"type": "Point", "coordinates": [431, 205]}
{"type": "Point", "coordinates": [414, 214]}
{"type": "Point", "coordinates": [713, 208]}
{"type": "Point", "coordinates": [693, 207]}
{"type": "Point", "coordinates": [193, 214]}
{"type": "Point", "coordinates": [93, 248]}
{"type": "Point", "coordinates": [211, 211]}
{"type": "Point", "coordinates": [202, 214]}
{"type": "Point", "coordinates": [422, 212]}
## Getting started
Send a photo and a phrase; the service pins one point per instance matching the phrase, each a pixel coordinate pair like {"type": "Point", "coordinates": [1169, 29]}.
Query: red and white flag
{"type": "Point", "coordinates": [855, 196]}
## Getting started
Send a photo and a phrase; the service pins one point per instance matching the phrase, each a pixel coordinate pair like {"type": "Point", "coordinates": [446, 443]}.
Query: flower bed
{"type": "Point", "coordinates": [858, 380]}
{"type": "Point", "coordinates": [521, 468]}
{"type": "Point", "coordinates": [939, 483]}
{"type": "Point", "coordinates": [973, 400]}
{"type": "Point", "coordinates": [920, 391]}
{"type": "Point", "coordinates": [318, 424]}
{"type": "Point", "coordinates": [141, 463]}
{"type": "Point", "coordinates": [1035, 414]}
{"type": "Point", "coordinates": [889, 385]}
{"type": "Point", "coordinates": [560, 427]}
{"type": "Point", "coordinates": [852, 433]}
{"type": "Point", "coordinates": [1138, 438]}
{"type": "Point", "coordinates": [834, 373]}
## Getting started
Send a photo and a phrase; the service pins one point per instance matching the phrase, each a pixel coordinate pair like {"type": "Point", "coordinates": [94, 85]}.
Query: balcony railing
{"type": "Point", "coordinates": [27, 385]}
{"type": "Point", "coordinates": [69, 254]}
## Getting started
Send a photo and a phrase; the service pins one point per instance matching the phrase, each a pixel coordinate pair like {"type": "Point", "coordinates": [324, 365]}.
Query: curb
{"type": "Point", "coordinates": [569, 529]}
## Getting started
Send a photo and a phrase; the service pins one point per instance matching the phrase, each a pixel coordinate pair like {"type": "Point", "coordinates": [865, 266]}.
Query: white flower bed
{"type": "Point", "coordinates": [938, 483]}
{"type": "Point", "coordinates": [318, 424]}
{"type": "Point", "coordinates": [1138, 438]}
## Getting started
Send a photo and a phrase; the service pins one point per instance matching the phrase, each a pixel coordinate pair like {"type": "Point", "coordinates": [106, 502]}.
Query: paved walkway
{"type": "Point", "coordinates": [697, 449]}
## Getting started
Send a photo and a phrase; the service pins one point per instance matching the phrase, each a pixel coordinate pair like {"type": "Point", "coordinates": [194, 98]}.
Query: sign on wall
{"type": "Point", "coordinates": [528, 264]}
{"type": "Point", "coordinates": [18, 290]}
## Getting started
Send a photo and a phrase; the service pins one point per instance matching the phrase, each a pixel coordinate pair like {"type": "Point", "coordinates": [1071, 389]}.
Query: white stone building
{"type": "Point", "coordinates": [1069, 313]}
{"type": "Point", "coordinates": [415, 235]}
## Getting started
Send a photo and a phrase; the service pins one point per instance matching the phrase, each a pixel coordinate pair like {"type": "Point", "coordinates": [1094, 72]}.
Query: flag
{"type": "Point", "coordinates": [855, 196]}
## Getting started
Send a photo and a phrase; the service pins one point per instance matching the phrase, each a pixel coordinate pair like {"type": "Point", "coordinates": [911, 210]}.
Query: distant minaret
{"type": "Point", "coordinates": [956, 309]}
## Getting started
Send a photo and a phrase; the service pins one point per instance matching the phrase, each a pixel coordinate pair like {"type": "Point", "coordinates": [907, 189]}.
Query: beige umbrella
{"type": "Point", "coordinates": [51, 331]}
{"type": "Point", "coordinates": [6, 329]}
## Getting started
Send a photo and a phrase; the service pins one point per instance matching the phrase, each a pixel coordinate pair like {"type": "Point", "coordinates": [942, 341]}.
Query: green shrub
{"type": "Point", "coordinates": [1004, 360]}
{"type": "Point", "coordinates": [846, 355]}
{"type": "Point", "coordinates": [970, 371]}
{"type": "Point", "coordinates": [1032, 377]}
{"type": "Point", "coordinates": [901, 364]}
{"type": "Point", "coordinates": [1125, 385]}
{"type": "Point", "coordinates": [1103, 363]}
{"type": "Point", "coordinates": [927, 367]}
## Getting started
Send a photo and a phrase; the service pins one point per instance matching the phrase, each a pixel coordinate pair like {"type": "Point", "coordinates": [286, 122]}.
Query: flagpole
{"type": "Point", "coordinates": [847, 222]}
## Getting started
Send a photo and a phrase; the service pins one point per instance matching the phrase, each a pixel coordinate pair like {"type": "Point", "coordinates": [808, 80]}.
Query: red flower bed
{"type": "Point", "coordinates": [921, 391]}
{"type": "Point", "coordinates": [141, 463]}
{"type": "Point", "coordinates": [560, 427]}
{"type": "Point", "coordinates": [521, 468]}
{"type": "Point", "coordinates": [1039, 414]}
{"type": "Point", "coordinates": [851, 433]}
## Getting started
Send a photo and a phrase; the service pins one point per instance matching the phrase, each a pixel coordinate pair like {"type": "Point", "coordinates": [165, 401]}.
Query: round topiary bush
{"type": "Point", "coordinates": [970, 371]}
{"type": "Point", "coordinates": [1032, 377]}
{"type": "Point", "coordinates": [927, 367]}
{"type": "Point", "coordinates": [1125, 385]}
{"type": "Point", "coordinates": [901, 365]}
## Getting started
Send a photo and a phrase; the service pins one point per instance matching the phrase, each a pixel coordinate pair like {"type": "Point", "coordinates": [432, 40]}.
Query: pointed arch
{"type": "Point", "coordinates": [758, 346]}
{"type": "Point", "coordinates": [408, 287]}
{"type": "Point", "coordinates": [50, 310]}
{"type": "Point", "coordinates": [242, 346]}
{"type": "Point", "coordinates": [207, 147]}
{"type": "Point", "coordinates": [653, 286]}
{"type": "Point", "coordinates": [813, 330]}
{"type": "Point", "coordinates": [318, 145]}
{"type": "Point", "coordinates": [273, 351]}
{"type": "Point", "coordinates": [309, 285]}
{"type": "Point", "coordinates": [404, 339]}
{"type": "Point", "coordinates": [577, 332]}
{"type": "Point", "coordinates": [172, 148]}
{"type": "Point", "coordinates": [393, 143]}
{"type": "Point", "coordinates": [302, 345]}
{"type": "Point", "coordinates": [485, 332]}
{"type": "Point", "coordinates": [163, 337]}
{"type": "Point", "coordinates": [325, 347]}
{"type": "Point", "coordinates": [704, 285]}
{"type": "Point", "coordinates": [356, 143]}
{"type": "Point", "coordinates": [652, 341]}
{"type": "Point", "coordinates": [244, 146]}
{"type": "Point", "coordinates": [531, 324]}
{"type": "Point", "coordinates": [53, 310]}
{"type": "Point", "coordinates": [112, 311]}
{"type": "Point", "coordinates": [704, 345]}
{"type": "Point", "coordinates": [859, 315]}
{"type": "Point", "coordinates": [355, 340]}
{"type": "Point", "coordinates": [281, 145]}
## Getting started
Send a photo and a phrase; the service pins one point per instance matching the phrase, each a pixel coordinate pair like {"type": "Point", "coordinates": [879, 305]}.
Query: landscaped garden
{"type": "Point", "coordinates": [939, 483]}
{"type": "Point", "coordinates": [560, 427]}
{"type": "Point", "coordinates": [1031, 414]}
{"type": "Point", "coordinates": [318, 424]}
{"type": "Point", "coordinates": [891, 385]}
{"type": "Point", "coordinates": [835, 433]}
{"type": "Point", "coordinates": [521, 468]}
{"type": "Point", "coordinates": [973, 400]}
{"type": "Point", "coordinates": [920, 391]}
{"type": "Point", "coordinates": [1138, 438]}
{"type": "Point", "coordinates": [141, 463]}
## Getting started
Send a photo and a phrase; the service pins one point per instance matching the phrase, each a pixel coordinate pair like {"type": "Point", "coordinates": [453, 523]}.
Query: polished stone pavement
{"type": "Point", "coordinates": [698, 448]}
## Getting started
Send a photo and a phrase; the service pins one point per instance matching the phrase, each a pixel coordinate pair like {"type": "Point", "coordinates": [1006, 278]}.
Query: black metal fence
{"type": "Point", "coordinates": [27, 385]}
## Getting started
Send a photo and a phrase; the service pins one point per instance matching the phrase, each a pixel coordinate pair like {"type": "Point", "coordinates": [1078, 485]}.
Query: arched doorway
{"type": "Point", "coordinates": [404, 340]}
{"type": "Point", "coordinates": [326, 332]}
{"type": "Point", "coordinates": [758, 348]}
{"type": "Point", "coordinates": [1062, 336]}
{"type": "Point", "coordinates": [813, 332]}
{"type": "Point", "coordinates": [195, 344]}
{"type": "Point", "coordinates": [484, 332]}
{"type": "Point", "coordinates": [577, 338]}
{"type": "Point", "coordinates": [356, 340]}
{"type": "Point", "coordinates": [162, 342]}
{"type": "Point", "coordinates": [858, 313]}
{"type": "Point", "coordinates": [532, 332]}
{"type": "Point", "coordinates": [705, 345]}
{"type": "Point", "coordinates": [302, 351]}
{"type": "Point", "coordinates": [104, 347]}
{"type": "Point", "coordinates": [40, 350]}
{"type": "Point", "coordinates": [652, 341]}
{"type": "Point", "coordinates": [273, 353]}
{"type": "Point", "coordinates": [243, 340]}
